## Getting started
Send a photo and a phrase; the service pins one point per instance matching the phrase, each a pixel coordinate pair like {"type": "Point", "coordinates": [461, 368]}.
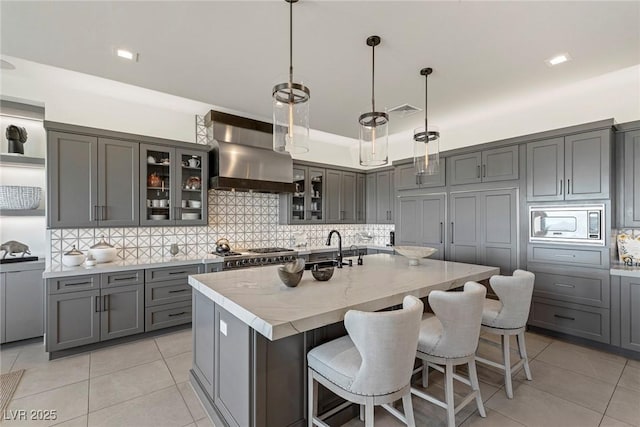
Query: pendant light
{"type": "Point", "coordinates": [291, 107]}
{"type": "Point", "coordinates": [426, 140]}
{"type": "Point", "coordinates": [374, 129]}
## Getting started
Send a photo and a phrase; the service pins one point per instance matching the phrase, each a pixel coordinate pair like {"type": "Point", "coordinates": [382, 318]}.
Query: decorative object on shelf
{"type": "Point", "coordinates": [628, 248]}
{"type": "Point", "coordinates": [194, 162]}
{"type": "Point", "coordinates": [195, 203]}
{"type": "Point", "coordinates": [151, 160]}
{"type": "Point", "coordinates": [73, 258]}
{"type": "Point", "coordinates": [190, 215]}
{"type": "Point", "coordinates": [19, 197]}
{"type": "Point", "coordinates": [374, 129]}
{"type": "Point", "coordinates": [13, 247]}
{"type": "Point", "coordinates": [414, 253]}
{"type": "Point", "coordinates": [291, 273]}
{"type": "Point", "coordinates": [154, 180]}
{"type": "Point", "coordinates": [291, 107]}
{"type": "Point", "coordinates": [16, 136]}
{"type": "Point", "coordinates": [193, 183]}
{"type": "Point", "coordinates": [158, 217]}
{"type": "Point", "coordinates": [426, 141]}
{"type": "Point", "coordinates": [174, 249]}
{"type": "Point", "coordinates": [166, 162]}
{"type": "Point", "coordinates": [103, 251]}
{"type": "Point", "coordinates": [90, 261]}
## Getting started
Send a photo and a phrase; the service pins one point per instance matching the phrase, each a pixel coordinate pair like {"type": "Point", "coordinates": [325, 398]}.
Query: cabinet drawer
{"type": "Point", "coordinates": [164, 316]}
{"type": "Point", "coordinates": [573, 319]}
{"type": "Point", "coordinates": [171, 273]}
{"type": "Point", "coordinates": [577, 256]}
{"type": "Point", "coordinates": [73, 284]}
{"type": "Point", "coordinates": [581, 286]}
{"type": "Point", "coordinates": [213, 267]}
{"type": "Point", "coordinates": [121, 278]}
{"type": "Point", "coordinates": [166, 292]}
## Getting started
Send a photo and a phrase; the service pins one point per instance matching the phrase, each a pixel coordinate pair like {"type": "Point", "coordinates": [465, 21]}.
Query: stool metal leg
{"type": "Point", "coordinates": [523, 354]}
{"type": "Point", "coordinates": [506, 359]}
{"type": "Point", "coordinates": [368, 413]}
{"type": "Point", "coordinates": [475, 385]}
{"type": "Point", "coordinates": [313, 398]}
{"type": "Point", "coordinates": [448, 391]}
{"type": "Point", "coordinates": [408, 410]}
{"type": "Point", "coordinates": [362, 413]}
{"type": "Point", "coordinates": [425, 374]}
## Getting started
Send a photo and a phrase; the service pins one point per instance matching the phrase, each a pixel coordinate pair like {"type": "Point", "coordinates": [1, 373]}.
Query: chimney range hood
{"type": "Point", "coordinates": [242, 158]}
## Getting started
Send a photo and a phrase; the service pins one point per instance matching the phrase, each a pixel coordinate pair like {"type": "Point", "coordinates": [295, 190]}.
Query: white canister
{"type": "Point", "coordinates": [73, 258]}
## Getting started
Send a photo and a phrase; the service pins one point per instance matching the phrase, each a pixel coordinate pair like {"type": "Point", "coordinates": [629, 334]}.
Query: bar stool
{"type": "Point", "coordinates": [370, 366]}
{"type": "Point", "coordinates": [507, 317]}
{"type": "Point", "coordinates": [450, 339]}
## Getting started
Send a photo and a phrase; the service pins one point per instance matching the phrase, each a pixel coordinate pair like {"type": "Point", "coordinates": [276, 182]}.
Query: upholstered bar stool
{"type": "Point", "coordinates": [450, 339]}
{"type": "Point", "coordinates": [372, 365]}
{"type": "Point", "coordinates": [507, 317]}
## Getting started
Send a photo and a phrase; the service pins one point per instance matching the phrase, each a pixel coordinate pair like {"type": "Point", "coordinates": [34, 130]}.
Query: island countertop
{"type": "Point", "coordinates": [258, 298]}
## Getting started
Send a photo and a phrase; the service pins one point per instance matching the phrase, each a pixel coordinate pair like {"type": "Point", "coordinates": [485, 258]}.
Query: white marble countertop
{"type": "Point", "coordinates": [258, 298]}
{"type": "Point", "coordinates": [624, 270]}
{"type": "Point", "coordinates": [129, 264]}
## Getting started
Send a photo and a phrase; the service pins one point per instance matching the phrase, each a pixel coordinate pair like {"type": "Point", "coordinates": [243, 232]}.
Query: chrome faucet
{"type": "Point", "coordinates": [339, 257]}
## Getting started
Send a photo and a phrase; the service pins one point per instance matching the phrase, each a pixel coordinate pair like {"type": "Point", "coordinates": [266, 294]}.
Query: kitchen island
{"type": "Point", "coordinates": [251, 333]}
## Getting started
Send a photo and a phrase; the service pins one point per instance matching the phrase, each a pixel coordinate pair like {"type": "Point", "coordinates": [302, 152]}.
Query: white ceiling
{"type": "Point", "coordinates": [231, 53]}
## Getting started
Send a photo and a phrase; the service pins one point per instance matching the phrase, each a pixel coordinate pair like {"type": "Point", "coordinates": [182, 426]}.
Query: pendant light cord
{"type": "Point", "coordinates": [373, 81]}
{"type": "Point", "coordinates": [290, 47]}
{"type": "Point", "coordinates": [426, 103]}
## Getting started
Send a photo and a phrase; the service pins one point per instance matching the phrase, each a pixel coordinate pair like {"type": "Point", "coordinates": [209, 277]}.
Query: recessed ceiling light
{"type": "Point", "coordinates": [558, 59]}
{"type": "Point", "coordinates": [127, 54]}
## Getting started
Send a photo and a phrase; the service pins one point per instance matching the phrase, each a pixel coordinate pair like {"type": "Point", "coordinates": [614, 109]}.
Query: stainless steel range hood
{"type": "Point", "coordinates": [242, 157]}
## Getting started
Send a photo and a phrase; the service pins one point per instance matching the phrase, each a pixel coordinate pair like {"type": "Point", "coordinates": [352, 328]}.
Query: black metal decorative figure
{"type": "Point", "coordinates": [16, 136]}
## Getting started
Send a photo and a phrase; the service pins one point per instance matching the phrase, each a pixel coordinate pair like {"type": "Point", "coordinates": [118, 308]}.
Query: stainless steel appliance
{"type": "Point", "coordinates": [256, 257]}
{"type": "Point", "coordinates": [567, 224]}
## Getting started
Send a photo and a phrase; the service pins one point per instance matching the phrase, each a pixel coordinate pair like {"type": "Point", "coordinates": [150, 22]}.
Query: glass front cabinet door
{"type": "Point", "coordinates": [191, 187]}
{"type": "Point", "coordinates": [316, 195]}
{"type": "Point", "coordinates": [306, 204]}
{"type": "Point", "coordinates": [299, 206]}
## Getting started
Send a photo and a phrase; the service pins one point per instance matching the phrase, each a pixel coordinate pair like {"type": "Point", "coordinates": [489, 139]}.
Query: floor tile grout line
{"type": "Point", "coordinates": [193, 419]}
{"type": "Point", "coordinates": [89, 389]}
{"type": "Point", "coordinates": [48, 390]}
{"type": "Point", "coordinates": [124, 369]}
{"type": "Point", "coordinates": [129, 400]}
{"type": "Point", "coordinates": [612, 394]}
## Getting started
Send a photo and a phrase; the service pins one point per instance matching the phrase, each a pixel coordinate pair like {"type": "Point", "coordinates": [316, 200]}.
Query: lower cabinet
{"type": "Point", "coordinates": [73, 319]}
{"type": "Point", "coordinates": [630, 313]}
{"type": "Point", "coordinates": [21, 305]}
{"type": "Point", "coordinates": [122, 311]}
{"type": "Point", "coordinates": [421, 222]}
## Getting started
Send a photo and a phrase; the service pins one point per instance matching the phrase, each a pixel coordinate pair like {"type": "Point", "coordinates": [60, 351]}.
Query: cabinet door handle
{"type": "Point", "coordinates": [478, 171]}
{"type": "Point", "coordinates": [118, 279]}
{"type": "Point", "coordinates": [559, 316]}
{"type": "Point", "coordinates": [561, 193]}
{"type": "Point", "coordinates": [441, 231]}
{"type": "Point", "coordinates": [103, 213]}
{"type": "Point", "coordinates": [568, 186]}
{"type": "Point", "coordinates": [452, 232]}
{"type": "Point", "coordinates": [177, 272]}
{"type": "Point", "coordinates": [178, 314]}
{"type": "Point", "coordinates": [76, 284]}
{"type": "Point", "coordinates": [178, 291]}
{"type": "Point", "coordinates": [97, 304]}
{"type": "Point", "coordinates": [564, 285]}
{"type": "Point", "coordinates": [94, 217]}
{"type": "Point", "coordinates": [106, 303]}
{"type": "Point", "coordinates": [484, 170]}
{"type": "Point", "coordinates": [417, 179]}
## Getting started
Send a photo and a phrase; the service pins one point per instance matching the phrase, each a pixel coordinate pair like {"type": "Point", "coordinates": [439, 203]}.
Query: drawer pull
{"type": "Point", "coordinates": [178, 314]}
{"type": "Point", "coordinates": [77, 284]}
{"type": "Point", "coordinates": [563, 285]}
{"type": "Point", "coordinates": [117, 279]}
{"type": "Point", "coordinates": [177, 272]}
{"type": "Point", "coordinates": [559, 316]}
{"type": "Point", "coordinates": [566, 255]}
{"type": "Point", "coordinates": [178, 290]}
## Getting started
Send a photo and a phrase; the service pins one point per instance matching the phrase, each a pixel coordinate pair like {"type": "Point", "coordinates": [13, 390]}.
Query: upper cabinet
{"type": "Point", "coordinates": [380, 197]}
{"type": "Point", "coordinates": [421, 222]}
{"type": "Point", "coordinates": [341, 196]}
{"type": "Point", "coordinates": [499, 164]}
{"type": "Point", "coordinates": [307, 204]}
{"type": "Point", "coordinates": [92, 181]}
{"type": "Point", "coordinates": [174, 186]}
{"type": "Point", "coordinates": [631, 191]}
{"type": "Point", "coordinates": [406, 178]}
{"type": "Point", "coordinates": [361, 198]}
{"type": "Point", "coordinates": [576, 167]}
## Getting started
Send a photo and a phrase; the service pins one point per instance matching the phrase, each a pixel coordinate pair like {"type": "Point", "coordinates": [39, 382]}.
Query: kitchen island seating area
{"type": "Point", "coordinates": [370, 366]}
{"type": "Point", "coordinates": [508, 317]}
{"type": "Point", "coordinates": [450, 339]}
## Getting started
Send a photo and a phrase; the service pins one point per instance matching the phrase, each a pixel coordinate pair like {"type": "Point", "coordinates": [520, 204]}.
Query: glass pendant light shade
{"type": "Point", "coordinates": [426, 154]}
{"type": "Point", "coordinates": [291, 107]}
{"type": "Point", "coordinates": [374, 125]}
{"type": "Point", "coordinates": [426, 140]}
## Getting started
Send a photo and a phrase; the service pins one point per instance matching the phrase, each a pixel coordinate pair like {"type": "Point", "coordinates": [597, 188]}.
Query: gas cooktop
{"type": "Point", "coordinates": [256, 257]}
{"type": "Point", "coordinates": [269, 250]}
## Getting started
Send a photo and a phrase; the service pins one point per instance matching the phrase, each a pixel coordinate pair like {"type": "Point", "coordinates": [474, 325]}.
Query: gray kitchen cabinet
{"type": "Point", "coordinates": [118, 183]}
{"type": "Point", "coordinates": [92, 181]}
{"type": "Point", "coordinates": [73, 319]}
{"type": "Point", "coordinates": [306, 205]}
{"type": "Point", "coordinates": [361, 198]}
{"type": "Point", "coordinates": [122, 311]}
{"type": "Point", "coordinates": [22, 305]}
{"type": "Point", "coordinates": [72, 180]}
{"type": "Point", "coordinates": [348, 199]}
{"type": "Point", "coordinates": [340, 197]}
{"type": "Point", "coordinates": [576, 167]}
{"type": "Point", "coordinates": [421, 222]}
{"type": "Point", "coordinates": [631, 191]}
{"type": "Point", "coordinates": [483, 228]}
{"type": "Point", "coordinates": [498, 164]}
{"type": "Point", "coordinates": [203, 341]}
{"type": "Point", "coordinates": [630, 313]}
{"type": "Point", "coordinates": [385, 197]}
{"type": "Point", "coordinates": [166, 180]}
{"type": "Point", "coordinates": [372, 208]}
{"type": "Point", "coordinates": [587, 286]}
{"type": "Point", "coordinates": [332, 210]}
{"type": "Point", "coordinates": [406, 178]}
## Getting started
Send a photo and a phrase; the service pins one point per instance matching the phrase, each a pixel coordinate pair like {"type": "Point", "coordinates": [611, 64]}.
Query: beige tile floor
{"type": "Point", "coordinates": [144, 383]}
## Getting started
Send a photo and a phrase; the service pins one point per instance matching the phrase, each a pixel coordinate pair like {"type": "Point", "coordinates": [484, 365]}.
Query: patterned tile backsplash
{"type": "Point", "coordinates": [633, 232]}
{"type": "Point", "coordinates": [246, 219]}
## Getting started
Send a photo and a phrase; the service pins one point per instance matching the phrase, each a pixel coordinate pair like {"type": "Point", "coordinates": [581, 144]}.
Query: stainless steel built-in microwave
{"type": "Point", "coordinates": [573, 224]}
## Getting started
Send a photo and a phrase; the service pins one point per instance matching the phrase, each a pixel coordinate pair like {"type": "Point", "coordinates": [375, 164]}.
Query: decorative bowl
{"type": "Point", "coordinates": [414, 253]}
{"type": "Point", "coordinates": [19, 197]}
{"type": "Point", "coordinates": [322, 274]}
{"type": "Point", "coordinates": [290, 279]}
